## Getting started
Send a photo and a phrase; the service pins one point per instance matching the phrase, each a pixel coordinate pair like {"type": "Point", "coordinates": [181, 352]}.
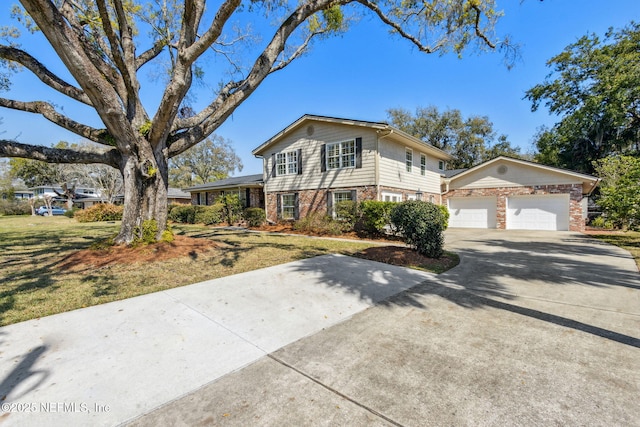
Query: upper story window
{"type": "Point", "coordinates": [409, 159]}
{"type": "Point", "coordinates": [441, 165]}
{"type": "Point", "coordinates": [341, 155]}
{"type": "Point", "coordinates": [423, 164]}
{"type": "Point", "coordinates": [287, 163]}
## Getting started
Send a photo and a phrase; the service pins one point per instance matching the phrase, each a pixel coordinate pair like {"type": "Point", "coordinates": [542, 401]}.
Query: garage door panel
{"type": "Point", "coordinates": [472, 212]}
{"type": "Point", "coordinates": [538, 212]}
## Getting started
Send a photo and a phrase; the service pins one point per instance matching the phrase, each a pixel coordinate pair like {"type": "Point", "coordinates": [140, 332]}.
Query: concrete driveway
{"type": "Point", "coordinates": [530, 329]}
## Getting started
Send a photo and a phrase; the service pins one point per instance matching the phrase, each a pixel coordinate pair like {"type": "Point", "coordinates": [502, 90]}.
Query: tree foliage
{"type": "Point", "coordinates": [107, 47]}
{"type": "Point", "coordinates": [620, 190]}
{"type": "Point", "coordinates": [211, 160]}
{"type": "Point", "coordinates": [593, 88]}
{"type": "Point", "coordinates": [469, 140]}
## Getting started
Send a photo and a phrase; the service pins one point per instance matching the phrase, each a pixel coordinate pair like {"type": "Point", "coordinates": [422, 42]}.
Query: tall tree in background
{"type": "Point", "coordinates": [105, 45]}
{"type": "Point", "coordinates": [620, 190]}
{"type": "Point", "coordinates": [211, 160]}
{"type": "Point", "coordinates": [470, 141]}
{"type": "Point", "coordinates": [595, 91]}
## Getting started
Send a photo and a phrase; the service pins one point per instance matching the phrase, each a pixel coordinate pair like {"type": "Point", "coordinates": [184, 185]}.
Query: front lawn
{"type": "Point", "coordinates": [629, 240]}
{"type": "Point", "coordinates": [54, 264]}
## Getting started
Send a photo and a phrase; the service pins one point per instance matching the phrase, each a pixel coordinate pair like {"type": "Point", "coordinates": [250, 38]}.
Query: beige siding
{"type": "Point", "coordinates": [515, 175]}
{"type": "Point", "coordinates": [312, 176]}
{"type": "Point", "coordinates": [393, 172]}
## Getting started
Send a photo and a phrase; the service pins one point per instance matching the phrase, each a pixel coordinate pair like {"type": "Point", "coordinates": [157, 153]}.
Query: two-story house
{"type": "Point", "coordinates": [319, 161]}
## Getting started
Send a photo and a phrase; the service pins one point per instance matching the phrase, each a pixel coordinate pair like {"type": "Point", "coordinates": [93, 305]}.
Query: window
{"type": "Point", "coordinates": [340, 196]}
{"type": "Point", "coordinates": [441, 165]}
{"type": "Point", "coordinates": [288, 206]}
{"type": "Point", "coordinates": [341, 155]}
{"type": "Point", "coordinates": [409, 159]}
{"type": "Point", "coordinates": [423, 164]}
{"type": "Point", "coordinates": [391, 197]}
{"type": "Point", "coordinates": [287, 163]}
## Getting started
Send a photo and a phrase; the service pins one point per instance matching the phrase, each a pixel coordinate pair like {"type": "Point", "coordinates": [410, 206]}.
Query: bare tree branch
{"type": "Point", "coordinates": [58, 155]}
{"type": "Point", "coordinates": [234, 94]}
{"type": "Point", "coordinates": [43, 73]}
{"type": "Point", "coordinates": [48, 111]}
{"type": "Point", "coordinates": [150, 54]}
{"type": "Point", "coordinates": [299, 51]}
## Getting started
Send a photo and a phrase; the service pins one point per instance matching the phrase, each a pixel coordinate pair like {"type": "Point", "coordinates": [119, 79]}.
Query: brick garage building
{"type": "Point", "coordinates": [507, 193]}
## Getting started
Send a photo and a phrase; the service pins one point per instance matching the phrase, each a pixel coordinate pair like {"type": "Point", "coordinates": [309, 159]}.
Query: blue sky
{"type": "Point", "coordinates": [366, 71]}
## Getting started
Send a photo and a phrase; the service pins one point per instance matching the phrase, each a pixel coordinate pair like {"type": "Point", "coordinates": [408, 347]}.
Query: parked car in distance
{"type": "Point", "coordinates": [42, 210]}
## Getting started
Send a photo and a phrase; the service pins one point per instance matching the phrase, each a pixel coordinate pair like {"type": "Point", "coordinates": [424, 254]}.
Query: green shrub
{"type": "Point", "coordinates": [421, 224]}
{"type": "Point", "coordinates": [255, 217]}
{"type": "Point", "coordinates": [317, 223]}
{"type": "Point", "coordinates": [445, 215]}
{"type": "Point", "coordinates": [145, 234]}
{"type": "Point", "coordinates": [232, 211]}
{"type": "Point", "coordinates": [376, 215]}
{"type": "Point", "coordinates": [99, 212]}
{"type": "Point", "coordinates": [602, 222]}
{"type": "Point", "coordinates": [348, 213]}
{"type": "Point", "coordinates": [71, 212]}
{"type": "Point", "coordinates": [15, 207]}
{"type": "Point", "coordinates": [209, 215]}
{"type": "Point", "coordinates": [184, 214]}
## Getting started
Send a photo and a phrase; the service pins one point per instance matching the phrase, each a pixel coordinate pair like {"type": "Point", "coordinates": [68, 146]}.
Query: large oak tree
{"type": "Point", "coordinates": [594, 89]}
{"type": "Point", "coordinates": [105, 45]}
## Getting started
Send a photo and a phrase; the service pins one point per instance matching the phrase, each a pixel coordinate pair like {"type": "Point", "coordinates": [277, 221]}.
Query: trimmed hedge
{"type": "Point", "coordinates": [15, 207]}
{"type": "Point", "coordinates": [194, 214]}
{"type": "Point", "coordinates": [99, 212]}
{"type": "Point", "coordinates": [255, 217]}
{"type": "Point", "coordinates": [421, 224]}
{"type": "Point", "coordinates": [376, 215]}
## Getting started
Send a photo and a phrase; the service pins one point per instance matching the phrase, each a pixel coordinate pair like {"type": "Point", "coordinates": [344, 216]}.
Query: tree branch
{"type": "Point", "coordinates": [48, 111]}
{"type": "Point", "coordinates": [58, 155]}
{"type": "Point", "coordinates": [150, 54]}
{"type": "Point", "coordinates": [40, 71]}
{"type": "Point", "coordinates": [235, 93]}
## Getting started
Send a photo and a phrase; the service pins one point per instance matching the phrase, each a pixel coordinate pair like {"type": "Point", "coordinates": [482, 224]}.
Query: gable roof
{"type": "Point", "coordinates": [378, 126]}
{"type": "Point", "coordinates": [589, 182]}
{"type": "Point", "coordinates": [233, 182]}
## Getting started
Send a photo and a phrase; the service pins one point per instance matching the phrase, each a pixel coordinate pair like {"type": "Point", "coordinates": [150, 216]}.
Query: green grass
{"type": "Point", "coordinates": [33, 285]}
{"type": "Point", "coordinates": [629, 240]}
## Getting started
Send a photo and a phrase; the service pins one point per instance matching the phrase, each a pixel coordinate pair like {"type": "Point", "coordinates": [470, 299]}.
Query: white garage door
{"type": "Point", "coordinates": [540, 212]}
{"type": "Point", "coordinates": [472, 212]}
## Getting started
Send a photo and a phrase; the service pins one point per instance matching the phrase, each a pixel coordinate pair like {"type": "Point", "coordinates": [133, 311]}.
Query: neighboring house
{"type": "Point", "coordinates": [19, 194]}
{"type": "Point", "coordinates": [319, 161]}
{"type": "Point", "coordinates": [177, 196]}
{"type": "Point", "coordinates": [249, 189]}
{"type": "Point", "coordinates": [55, 191]}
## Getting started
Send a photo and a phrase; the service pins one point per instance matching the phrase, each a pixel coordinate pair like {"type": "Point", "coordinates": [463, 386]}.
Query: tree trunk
{"type": "Point", "coordinates": [145, 194]}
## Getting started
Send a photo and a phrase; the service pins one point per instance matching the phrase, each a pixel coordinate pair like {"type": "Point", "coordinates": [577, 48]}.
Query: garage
{"type": "Point", "coordinates": [538, 212]}
{"type": "Point", "coordinates": [472, 212]}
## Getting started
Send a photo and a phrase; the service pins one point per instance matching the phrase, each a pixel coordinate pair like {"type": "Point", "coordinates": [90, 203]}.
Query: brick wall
{"type": "Point", "coordinates": [576, 221]}
{"type": "Point", "coordinates": [316, 200]}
